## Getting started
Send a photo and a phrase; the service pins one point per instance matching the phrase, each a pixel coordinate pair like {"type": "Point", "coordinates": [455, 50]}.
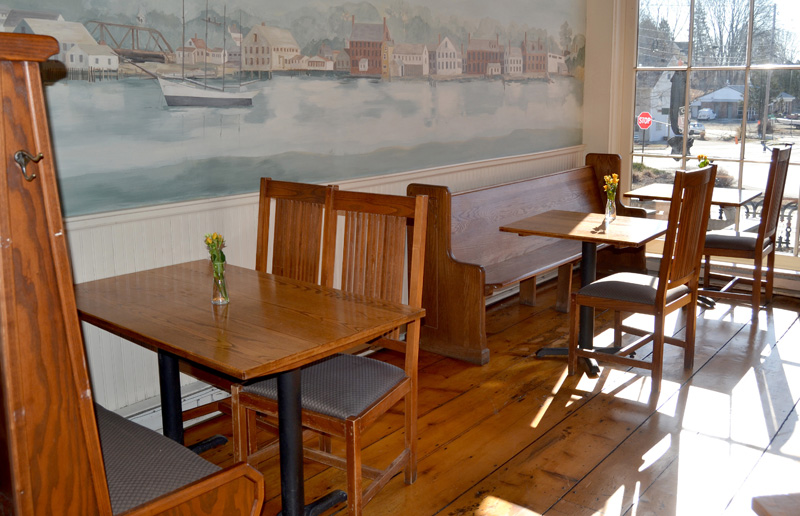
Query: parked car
{"type": "Point", "coordinates": [706, 114]}
{"type": "Point", "coordinates": [697, 129]}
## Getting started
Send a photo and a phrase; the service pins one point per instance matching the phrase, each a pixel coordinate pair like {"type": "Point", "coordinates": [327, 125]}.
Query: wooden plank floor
{"type": "Point", "coordinates": [519, 436]}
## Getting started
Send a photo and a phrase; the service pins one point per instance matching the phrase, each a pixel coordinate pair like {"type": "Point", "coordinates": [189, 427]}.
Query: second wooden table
{"type": "Point", "coordinates": [591, 229]}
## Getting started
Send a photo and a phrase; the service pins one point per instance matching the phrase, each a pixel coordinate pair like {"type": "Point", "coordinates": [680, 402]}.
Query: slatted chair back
{"type": "Point", "coordinates": [51, 457]}
{"type": "Point", "coordinates": [299, 213]}
{"type": "Point", "coordinates": [773, 195]}
{"type": "Point", "coordinates": [373, 253]}
{"type": "Point", "coordinates": [686, 229]}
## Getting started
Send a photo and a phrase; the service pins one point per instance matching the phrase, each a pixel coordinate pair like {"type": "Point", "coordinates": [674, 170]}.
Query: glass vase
{"type": "Point", "coordinates": [611, 209]}
{"type": "Point", "coordinates": [219, 292]}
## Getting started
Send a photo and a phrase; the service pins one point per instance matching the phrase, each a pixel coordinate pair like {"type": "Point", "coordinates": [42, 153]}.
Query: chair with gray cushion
{"type": "Point", "coordinates": [342, 395]}
{"type": "Point", "coordinates": [675, 287]}
{"type": "Point", "coordinates": [753, 246]}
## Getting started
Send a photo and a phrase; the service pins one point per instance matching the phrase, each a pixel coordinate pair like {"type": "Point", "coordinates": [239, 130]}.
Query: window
{"type": "Point", "coordinates": [720, 78]}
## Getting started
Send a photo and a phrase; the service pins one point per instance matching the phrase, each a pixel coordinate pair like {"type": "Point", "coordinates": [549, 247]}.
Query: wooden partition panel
{"type": "Point", "coordinates": [44, 375]}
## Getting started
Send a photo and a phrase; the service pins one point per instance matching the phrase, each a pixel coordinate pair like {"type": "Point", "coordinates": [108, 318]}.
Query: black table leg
{"type": "Point", "coordinates": [586, 328]}
{"type": "Point", "coordinates": [170, 386]}
{"type": "Point", "coordinates": [290, 434]}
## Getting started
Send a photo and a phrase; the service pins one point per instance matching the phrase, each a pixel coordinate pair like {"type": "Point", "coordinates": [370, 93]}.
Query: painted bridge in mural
{"type": "Point", "coordinates": [131, 41]}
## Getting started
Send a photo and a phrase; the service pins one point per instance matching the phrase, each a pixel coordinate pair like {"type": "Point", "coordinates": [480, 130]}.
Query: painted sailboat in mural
{"type": "Point", "coordinates": [185, 93]}
{"type": "Point", "coordinates": [192, 93]}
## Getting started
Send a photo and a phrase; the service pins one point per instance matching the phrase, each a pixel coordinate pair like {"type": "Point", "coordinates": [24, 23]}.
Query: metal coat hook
{"type": "Point", "coordinates": [23, 158]}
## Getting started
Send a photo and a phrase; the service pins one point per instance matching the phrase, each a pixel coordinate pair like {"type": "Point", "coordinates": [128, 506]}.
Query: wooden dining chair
{"type": "Point", "coordinates": [753, 246]}
{"type": "Point", "coordinates": [675, 287]}
{"type": "Point", "coordinates": [59, 452]}
{"type": "Point", "coordinates": [291, 217]}
{"type": "Point", "coordinates": [344, 394]}
{"type": "Point", "coordinates": [296, 228]}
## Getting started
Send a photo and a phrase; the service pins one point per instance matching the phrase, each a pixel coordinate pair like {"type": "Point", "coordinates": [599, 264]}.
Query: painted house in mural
{"type": "Point", "coordinates": [297, 62]}
{"type": "Point", "coordinates": [320, 64]}
{"type": "Point", "coordinates": [481, 53]}
{"type": "Point", "coordinates": [341, 62]}
{"type": "Point", "coordinates": [268, 49]}
{"type": "Point", "coordinates": [12, 17]}
{"type": "Point", "coordinates": [445, 59]}
{"type": "Point", "coordinates": [370, 49]}
{"type": "Point", "coordinates": [414, 58]}
{"type": "Point", "coordinates": [512, 63]}
{"type": "Point", "coordinates": [68, 34]}
{"type": "Point", "coordinates": [534, 56]}
{"type": "Point", "coordinates": [556, 64]}
{"type": "Point", "coordinates": [203, 54]}
{"type": "Point", "coordinates": [93, 57]}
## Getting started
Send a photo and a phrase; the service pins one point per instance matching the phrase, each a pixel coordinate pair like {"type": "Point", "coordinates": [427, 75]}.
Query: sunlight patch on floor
{"type": "Point", "coordinates": [493, 506]}
{"type": "Point", "coordinates": [549, 400]}
{"type": "Point", "coordinates": [658, 450]}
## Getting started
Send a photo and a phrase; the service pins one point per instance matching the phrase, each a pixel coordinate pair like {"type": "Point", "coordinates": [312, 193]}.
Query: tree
{"type": "Point", "coordinates": [565, 35]}
{"type": "Point", "coordinates": [656, 43]}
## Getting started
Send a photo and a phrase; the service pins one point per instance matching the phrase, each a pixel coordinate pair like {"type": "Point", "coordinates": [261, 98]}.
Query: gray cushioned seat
{"type": "Point", "coordinates": [338, 386]}
{"type": "Point", "coordinates": [142, 464]}
{"type": "Point", "coordinates": [630, 286]}
{"type": "Point", "coordinates": [736, 240]}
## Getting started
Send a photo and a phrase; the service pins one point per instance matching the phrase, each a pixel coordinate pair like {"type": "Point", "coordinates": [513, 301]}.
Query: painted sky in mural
{"type": "Point", "coordinates": [317, 91]}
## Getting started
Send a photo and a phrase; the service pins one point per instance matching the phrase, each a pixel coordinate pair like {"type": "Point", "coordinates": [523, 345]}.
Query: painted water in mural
{"type": "Point", "coordinates": [214, 99]}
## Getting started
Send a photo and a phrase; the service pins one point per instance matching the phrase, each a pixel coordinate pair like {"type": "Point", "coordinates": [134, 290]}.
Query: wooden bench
{"type": "Point", "coordinates": [468, 259]}
{"type": "Point", "coordinates": [59, 452]}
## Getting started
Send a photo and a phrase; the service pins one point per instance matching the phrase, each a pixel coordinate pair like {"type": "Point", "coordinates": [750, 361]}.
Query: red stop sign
{"type": "Point", "coordinates": [644, 120]}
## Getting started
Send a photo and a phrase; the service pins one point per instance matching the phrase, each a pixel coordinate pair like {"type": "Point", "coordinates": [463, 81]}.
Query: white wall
{"type": "Point", "coordinates": [608, 86]}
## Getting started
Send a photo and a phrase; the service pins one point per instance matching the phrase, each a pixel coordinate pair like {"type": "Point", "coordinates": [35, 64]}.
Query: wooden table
{"type": "Point", "coordinates": [723, 197]}
{"type": "Point", "coordinates": [590, 229]}
{"type": "Point", "coordinates": [273, 325]}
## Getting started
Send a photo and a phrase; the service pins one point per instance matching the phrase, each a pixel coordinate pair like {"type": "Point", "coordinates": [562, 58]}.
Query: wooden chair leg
{"type": "Point", "coordinates": [691, 328]}
{"type": "Point", "coordinates": [658, 353]}
{"type": "Point", "coordinates": [564, 287]}
{"type": "Point", "coordinates": [617, 329]}
{"type": "Point", "coordinates": [411, 436]}
{"type": "Point", "coordinates": [251, 439]}
{"type": "Point", "coordinates": [238, 417]}
{"type": "Point", "coordinates": [572, 362]}
{"type": "Point", "coordinates": [757, 272]}
{"type": "Point", "coordinates": [707, 272]}
{"type": "Point", "coordinates": [770, 274]}
{"type": "Point", "coordinates": [354, 490]}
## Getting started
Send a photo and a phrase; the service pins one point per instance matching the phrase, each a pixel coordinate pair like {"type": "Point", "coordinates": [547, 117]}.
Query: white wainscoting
{"type": "Point", "coordinates": [115, 243]}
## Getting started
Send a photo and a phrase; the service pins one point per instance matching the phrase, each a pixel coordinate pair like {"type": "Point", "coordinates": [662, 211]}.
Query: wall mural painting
{"type": "Point", "coordinates": [172, 100]}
